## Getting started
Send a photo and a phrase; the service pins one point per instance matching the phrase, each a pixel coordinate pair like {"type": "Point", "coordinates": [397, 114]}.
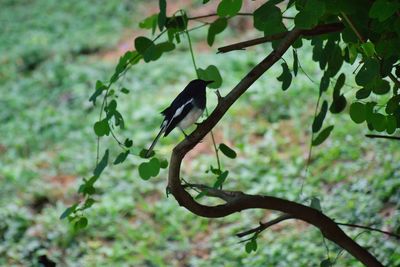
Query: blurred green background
{"type": "Point", "coordinates": [52, 53]}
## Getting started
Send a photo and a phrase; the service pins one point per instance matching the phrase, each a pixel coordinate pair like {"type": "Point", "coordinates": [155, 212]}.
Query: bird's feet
{"type": "Point", "coordinates": [186, 136]}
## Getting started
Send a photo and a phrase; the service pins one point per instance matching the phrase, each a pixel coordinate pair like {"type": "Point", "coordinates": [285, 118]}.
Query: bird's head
{"type": "Point", "coordinates": [201, 83]}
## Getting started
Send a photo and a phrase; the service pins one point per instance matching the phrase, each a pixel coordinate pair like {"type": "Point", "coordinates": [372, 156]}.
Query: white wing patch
{"type": "Point", "coordinates": [178, 112]}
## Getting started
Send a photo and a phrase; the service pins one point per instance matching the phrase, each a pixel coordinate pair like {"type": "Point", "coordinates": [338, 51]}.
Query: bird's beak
{"type": "Point", "coordinates": [208, 82]}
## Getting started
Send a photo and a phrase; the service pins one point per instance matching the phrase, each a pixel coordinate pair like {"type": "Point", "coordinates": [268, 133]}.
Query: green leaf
{"type": "Point", "coordinates": [310, 15]}
{"type": "Point", "coordinates": [323, 135]}
{"type": "Point", "coordinates": [125, 91]}
{"type": "Point", "coordinates": [142, 44]}
{"type": "Point", "coordinates": [251, 245]}
{"type": "Point", "coordinates": [165, 46]}
{"type": "Point", "coordinates": [215, 171]}
{"type": "Point", "coordinates": [315, 203]}
{"type": "Point", "coordinates": [285, 77]}
{"type": "Point", "coordinates": [149, 23]}
{"type": "Point", "coordinates": [68, 211]}
{"type": "Point", "coordinates": [88, 203]}
{"type": "Point", "coordinates": [229, 8]}
{"type": "Point", "coordinates": [319, 119]}
{"type": "Point", "coordinates": [211, 73]}
{"type": "Point", "coordinates": [100, 87]}
{"type": "Point", "coordinates": [143, 154]}
{"type": "Point", "coordinates": [353, 53]}
{"type": "Point", "coordinates": [227, 151]}
{"type": "Point", "coordinates": [369, 111]}
{"type": "Point", "coordinates": [149, 169]}
{"type": "Point", "coordinates": [369, 49]}
{"type": "Point", "coordinates": [177, 23]}
{"type": "Point", "coordinates": [368, 72]}
{"type": "Point", "coordinates": [338, 105]}
{"type": "Point", "coordinates": [163, 164]}
{"type": "Point", "coordinates": [101, 128]}
{"type": "Point", "coordinates": [268, 18]}
{"type": "Point", "coordinates": [383, 9]}
{"type": "Point", "coordinates": [131, 57]}
{"type": "Point", "coordinates": [363, 93]}
{"type": "Point", "coordinates": [81, 223]}
{"type": "Point", "coordinates": [357, 112]}
{"type": "Point", "coordinates": [87, 188]}
{"type": "Point", "coordinates": [128, 142]}
{"type": "Point", "coordinates": [335, 60]}
{"type": "Point", "coordinates": [162, 16]}
{"type": "Point", "coordinates": [101, 165]}
{"type": "Point", "coordinates": [391, 124]}
{"type": "Point", "coordinates": [215, 28]}
{"type": "Point", "coordinates": [149, 50]}
{"type": "Point", "coordinates": [121, 157]}
{"type": "Point", "coordinates": [339, 84]}
{"type": "Point", "coordinates": [326, 263]}
{"type": "Point", "coordinates": [295, 62]}
{"type": "Point", "coordinates": [393, 104]}
{"type": "Point", "coordinates": [324, 84]}
{"type": "Point", "coordinates": [221, 179]}
{"type": "Point", "coordinates": [380, 86]}
{"type": "Point", "coordinates": [378, 121]}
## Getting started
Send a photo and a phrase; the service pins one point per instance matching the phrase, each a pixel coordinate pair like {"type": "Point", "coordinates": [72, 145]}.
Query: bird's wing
{"type": "Point", "coordinates": [180, 113]}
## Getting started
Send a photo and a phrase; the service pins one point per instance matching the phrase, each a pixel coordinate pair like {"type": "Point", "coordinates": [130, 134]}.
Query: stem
{"type": "Point", "coordinates": [370, 229]}
{"type": "Point", "coordinates": [197, 74]}
{"type": "Point", "coordinates": [346, 18]}
{"type": "Point", "coordinates": [191, 53]}
{"type": "Point", "coordinates": [383, 136]}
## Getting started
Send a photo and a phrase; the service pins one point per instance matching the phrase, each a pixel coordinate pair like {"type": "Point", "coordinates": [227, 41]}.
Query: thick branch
{"type": "Point", "coordinates": [244, 201]}
{"type": "Point", "coordinates": [318, 30]}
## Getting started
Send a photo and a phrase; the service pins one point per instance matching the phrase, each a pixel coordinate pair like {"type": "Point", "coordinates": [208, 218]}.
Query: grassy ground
{"type": "Point", "coordinates": [49, 67]}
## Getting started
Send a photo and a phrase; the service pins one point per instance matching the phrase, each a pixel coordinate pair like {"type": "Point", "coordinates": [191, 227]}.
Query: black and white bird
{"type": "Point", "coordinates": [185, 110]}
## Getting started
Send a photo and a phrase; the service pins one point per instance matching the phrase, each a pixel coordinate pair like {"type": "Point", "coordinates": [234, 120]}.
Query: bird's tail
{"type": "Point", "coordinates": [155, 141]}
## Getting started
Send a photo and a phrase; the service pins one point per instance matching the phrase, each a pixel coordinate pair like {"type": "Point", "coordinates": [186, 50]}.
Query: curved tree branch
{"type": "Point", "coordinates": [242, 201]}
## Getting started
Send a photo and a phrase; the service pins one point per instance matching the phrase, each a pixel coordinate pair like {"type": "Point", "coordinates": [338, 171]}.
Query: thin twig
{"type": "Point", "coordinates": [238, 14]}
{"type": "Point", "coordinates": [347, 19]}
{"type": "Point", "coordinates": [370, 229]}
{"type": "Point", "coordinates": [382, 136]}
{"type": "Point", "coordinates": [266, 225]}
{"type": "Point", "coordinates": [342, 250]}
{"type": "Point", "coordinates": [326, 248]}
{"type": "Point", "coordinates": [225, 195]}
{"type": "Point", "coordinates": [215, 14]}
{"type": "Point", "coordinates": [318, 30]}
{"type": "Point", "coordinates": [394, 79]}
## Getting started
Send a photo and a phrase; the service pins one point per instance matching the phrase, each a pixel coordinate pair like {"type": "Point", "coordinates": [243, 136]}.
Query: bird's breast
{"type": "Point", "coordinates": [191, 118]}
